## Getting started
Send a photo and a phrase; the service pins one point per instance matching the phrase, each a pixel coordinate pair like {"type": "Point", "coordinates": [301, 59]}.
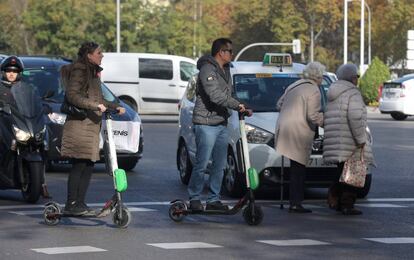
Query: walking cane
{"type": "Point", "coordinates": [281, 182]}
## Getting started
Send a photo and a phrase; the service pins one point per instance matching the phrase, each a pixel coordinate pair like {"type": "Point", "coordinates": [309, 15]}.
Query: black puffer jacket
{"type": "Point", "coordinates": [214, 93]}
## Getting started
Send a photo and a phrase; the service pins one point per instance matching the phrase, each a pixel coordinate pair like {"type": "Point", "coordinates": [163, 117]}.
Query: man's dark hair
{"type": "Point", "coordinates": [218, 45]}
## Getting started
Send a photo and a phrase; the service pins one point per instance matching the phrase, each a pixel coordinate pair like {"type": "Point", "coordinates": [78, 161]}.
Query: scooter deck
{"type": "Point", "coordinates": [231, 211]}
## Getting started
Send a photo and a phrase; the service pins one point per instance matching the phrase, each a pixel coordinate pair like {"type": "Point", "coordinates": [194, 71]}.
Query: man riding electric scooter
{"type": "Point", "coordinates": [212, 109]}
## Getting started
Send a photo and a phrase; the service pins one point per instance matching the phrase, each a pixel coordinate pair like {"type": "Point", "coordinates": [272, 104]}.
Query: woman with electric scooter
{"type": "Point", "coordinates": [84, 105]}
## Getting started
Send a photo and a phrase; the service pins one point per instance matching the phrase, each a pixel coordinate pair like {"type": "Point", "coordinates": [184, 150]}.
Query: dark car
{"type": "Point", "coordinates": [42, 72]}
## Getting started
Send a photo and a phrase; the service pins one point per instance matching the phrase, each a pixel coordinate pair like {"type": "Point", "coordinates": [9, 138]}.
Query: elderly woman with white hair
{"type": "Point", "coordinates": [299, 117]}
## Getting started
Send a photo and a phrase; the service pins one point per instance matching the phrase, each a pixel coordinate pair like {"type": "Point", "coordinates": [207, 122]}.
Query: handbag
{"type": "Point", "coordinates": [354, 171]}
{"type": "Point", "coordinates": [73, 111]}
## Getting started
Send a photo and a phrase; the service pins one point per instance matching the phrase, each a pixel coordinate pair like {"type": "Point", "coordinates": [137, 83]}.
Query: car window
{"type": "Point", "coordinates": [187, 70]}
{"type": "Point", "coordinates": [107, 94]}
{"type": "Point", "coordinates": [155, 69]}
{"type": "Point", "coordinates": [262, 93]}
{"type": "Point", "coordinates": [44, 79]}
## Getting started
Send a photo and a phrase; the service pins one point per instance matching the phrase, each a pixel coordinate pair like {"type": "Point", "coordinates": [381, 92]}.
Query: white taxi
{"type": "Point", "coordinates": [259, 85]}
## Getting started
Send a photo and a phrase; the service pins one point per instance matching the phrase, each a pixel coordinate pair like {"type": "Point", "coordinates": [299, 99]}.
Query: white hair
{"type": "Point", "coordinates": [314, 71]}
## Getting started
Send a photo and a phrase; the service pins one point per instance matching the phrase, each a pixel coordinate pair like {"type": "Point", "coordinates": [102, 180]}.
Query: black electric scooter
{"type": "Point", "coordinates": [252, 213]}
{"type": "Point", "coordinates": [23, 141]}
{"type": "Point", "coordinates": [121, 215]}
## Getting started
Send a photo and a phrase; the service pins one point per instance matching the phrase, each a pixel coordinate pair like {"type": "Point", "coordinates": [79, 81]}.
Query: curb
{"type": "Point", "coordinates": [373, 110]}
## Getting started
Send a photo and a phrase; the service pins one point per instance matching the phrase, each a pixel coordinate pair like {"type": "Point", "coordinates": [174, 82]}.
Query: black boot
{"type": "Point", "coordinates": [72, 208]}
{"type": "Point", "coordinates": [89, 211]}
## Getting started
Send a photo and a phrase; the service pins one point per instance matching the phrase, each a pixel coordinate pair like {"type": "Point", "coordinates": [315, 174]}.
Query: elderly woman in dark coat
{"type": "Point", "coordinates": [80, 140]}
{"type": "Point", "coordinates": [300, 115]}
{"type": "Point", "coordinates": [345, 133]}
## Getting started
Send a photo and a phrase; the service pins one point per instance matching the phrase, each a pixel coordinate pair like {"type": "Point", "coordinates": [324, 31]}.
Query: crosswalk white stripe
{"type": "Point", "coordinates": [294, 242]}
{"type": "Point", "coordinates": [68, 250]}
{"type": "Point", "coordinates": [379, 205]}
{"type": "Point", "coordinates": [27, 212]}
{"type": "Point", "coordinates": [184, 245]}
{"type": "Point", "coordinates": [161, 203]}
{"type": "Point", "coordinates": [40, 212]}
{"type": "Point", "coordinates": [135, 209]}
{"type": "Point", "coordinates": [393, 240]}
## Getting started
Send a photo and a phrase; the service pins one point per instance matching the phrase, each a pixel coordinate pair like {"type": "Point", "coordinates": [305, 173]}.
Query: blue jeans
{"type": "Point", "coordinates": [211, 143]}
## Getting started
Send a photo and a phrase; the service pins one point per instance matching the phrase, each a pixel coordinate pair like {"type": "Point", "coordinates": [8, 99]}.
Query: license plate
{"type": "Point", "coordinates": [389, 94]}
{"type": "Point", "coordinates": [318, 162]}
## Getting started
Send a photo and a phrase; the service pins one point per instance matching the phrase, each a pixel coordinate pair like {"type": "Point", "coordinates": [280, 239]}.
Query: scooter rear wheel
{"type": "Point", "coordinates": [122, 219]}
{"type": "Point", "coordinates": [253, 219]}
{"type": "Point", "coordinates": [51, 214]}
{"type": "Point", "coordinates": [176, 211]}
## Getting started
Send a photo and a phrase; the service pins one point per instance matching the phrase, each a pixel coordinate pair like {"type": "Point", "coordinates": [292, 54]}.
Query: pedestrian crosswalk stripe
{"type": "Point", "coordinates": [294, 242]}
{"type": "Point", "coordinates": [68, 250]}
{"type": "Point", "coordinates": [166, 203]}
{"type": "Point", "coordinates": [393, 240]}
{"type": "Point", "coordinates": [40, 212]}
{"type": "Point", "coordinates": [379, 205]}
{"type": "Point", "coordinates": [184, 245]}
{"type": "Point", "coordinates": [135, 209]}
{"type": "Point", "coordinates": [27, 212]}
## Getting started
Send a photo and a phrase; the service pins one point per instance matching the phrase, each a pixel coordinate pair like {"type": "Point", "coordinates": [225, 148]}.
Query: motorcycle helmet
{"type": "Point", "coordinates": [12, 63]}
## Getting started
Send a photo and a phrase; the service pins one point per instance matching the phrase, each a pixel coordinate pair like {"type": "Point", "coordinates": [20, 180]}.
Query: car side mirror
{"type": "Point", "coordinates": [5, 108]}
{"type": "Point", "coordinates": [49, 94]}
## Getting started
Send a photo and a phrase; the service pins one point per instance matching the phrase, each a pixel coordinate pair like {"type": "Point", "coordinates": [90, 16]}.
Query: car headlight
{"type": "Point", "coordinates": [257, 135]}
{"type": "Point", "coordinates": [21, 136]}
{"type": "Point", "coordinates": [57, 118]}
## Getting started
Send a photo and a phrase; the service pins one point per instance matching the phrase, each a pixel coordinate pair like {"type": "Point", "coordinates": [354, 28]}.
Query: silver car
{"type": "Point", "coordinates": [259, 85]}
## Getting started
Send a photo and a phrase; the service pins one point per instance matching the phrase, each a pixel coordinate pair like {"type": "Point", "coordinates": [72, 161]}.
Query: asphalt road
{"type": "Point", "coordinates": [384, 231]}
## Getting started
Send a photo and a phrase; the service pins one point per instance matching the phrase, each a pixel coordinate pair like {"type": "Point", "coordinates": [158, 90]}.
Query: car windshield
{"type": "Point", "coordinates": [43, 80]}
{"type": "Point", "coordinates": [261, 92]}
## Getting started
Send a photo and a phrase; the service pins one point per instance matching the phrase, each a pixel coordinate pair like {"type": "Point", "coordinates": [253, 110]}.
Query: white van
{"type": "Point", "coordinates": [149, 83]}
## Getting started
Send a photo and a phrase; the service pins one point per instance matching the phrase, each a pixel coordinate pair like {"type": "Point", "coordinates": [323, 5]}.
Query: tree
{"type": "Point", "coordinates": [376, 74]}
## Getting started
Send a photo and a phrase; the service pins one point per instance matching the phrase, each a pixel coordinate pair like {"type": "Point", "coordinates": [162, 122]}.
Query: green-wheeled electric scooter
{"type": "Point", "coordinates": [121, 215]}
{"type": "Point", "coordinates": [252, 213]}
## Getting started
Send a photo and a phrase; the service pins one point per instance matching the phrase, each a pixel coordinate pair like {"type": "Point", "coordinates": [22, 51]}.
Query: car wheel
{"type": "Point", "coordinates": [233, 183]}
{"type": "Point", "coordinates": [398, 116]}
{"type": "Point", "coordinates": [128, 163]}
{"type": "Point", "coordinates": [363, 192]}
{"type": "Point", "coordinates": [184, 164]}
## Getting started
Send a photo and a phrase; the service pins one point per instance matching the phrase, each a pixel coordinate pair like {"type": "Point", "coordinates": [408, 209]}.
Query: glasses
{"type": "Point", "coordinates": [12, 70]}
{"type": "Point", "coordinates": [229, 50]}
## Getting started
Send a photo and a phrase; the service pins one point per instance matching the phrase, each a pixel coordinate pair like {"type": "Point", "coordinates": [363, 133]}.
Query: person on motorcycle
{"type": "Point", "coordinates": [11, 69]}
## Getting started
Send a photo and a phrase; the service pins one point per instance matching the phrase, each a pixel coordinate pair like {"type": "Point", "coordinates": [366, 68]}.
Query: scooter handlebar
{"type": "Point", "coordinates": [247, 112]}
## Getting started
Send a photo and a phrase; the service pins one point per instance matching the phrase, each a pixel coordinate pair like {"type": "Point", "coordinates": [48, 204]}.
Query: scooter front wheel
{"type": "Point", "coordinates": [176, 211]}
{"type": "Point", "coordinates": [122, 217]}
{"type": "Point", "coordinates": [51, 214]}
{"type": "Point", "coordinates": [253, 216]}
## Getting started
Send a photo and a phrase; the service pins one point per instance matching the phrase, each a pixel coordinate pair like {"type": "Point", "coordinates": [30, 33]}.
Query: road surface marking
{"type": "Point", "coordinates": [379, 205]}
{"type": "Point", "coordinates": [135, 209]}
{"type": "Point", "coordinates": [184, 245]}
{"type": "Point", "coordinates": [40, 212]}
{"type": "Point", "coordinates": [163, 203]}
{"type": "Point", "coordinates": [393, 240]}
{"type": "Point", "coordinates": [68, 250]}
{"type": "Point", "coordinates": [294, 242]}
{"type": "Point", "coordinates": [27, 212]}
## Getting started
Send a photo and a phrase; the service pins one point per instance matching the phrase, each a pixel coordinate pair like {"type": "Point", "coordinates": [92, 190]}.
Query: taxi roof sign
{"type": "Point", "coordinates": [277, 59]}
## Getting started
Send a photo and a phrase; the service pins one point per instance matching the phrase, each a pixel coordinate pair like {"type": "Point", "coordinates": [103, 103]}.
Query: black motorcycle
{"type": "Point", "coordinates": [23, 143]}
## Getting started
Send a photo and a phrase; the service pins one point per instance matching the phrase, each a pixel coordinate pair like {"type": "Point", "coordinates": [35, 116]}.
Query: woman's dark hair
{"type": "Point", "coordinates": [218, 45]}
{"type": "Point", "coordinates": [85, 49]}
